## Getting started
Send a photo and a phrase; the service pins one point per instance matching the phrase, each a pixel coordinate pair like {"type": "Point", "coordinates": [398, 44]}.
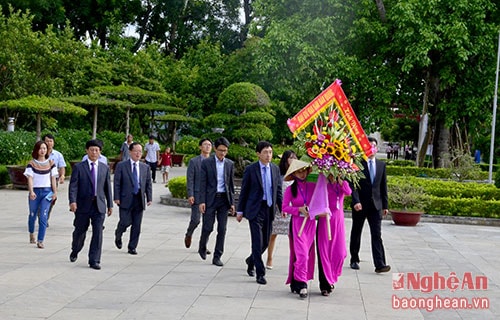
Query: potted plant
{"type": "Point", "coordinates": [407, 202]}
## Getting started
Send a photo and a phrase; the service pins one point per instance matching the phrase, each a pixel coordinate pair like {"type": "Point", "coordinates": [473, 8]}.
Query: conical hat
{"type": "Point", "coordinates": [296, 165]}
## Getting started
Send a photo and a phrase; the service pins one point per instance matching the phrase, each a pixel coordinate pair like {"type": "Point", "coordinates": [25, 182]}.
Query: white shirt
{"type": "Point", "coordinates": [137, 168]}
{"type": "Point", "coordinates": [151, 149]}
{"type": "Point", "coordinates": [221, 186]}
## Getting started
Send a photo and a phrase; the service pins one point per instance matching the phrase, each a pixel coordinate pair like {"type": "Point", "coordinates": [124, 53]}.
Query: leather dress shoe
{"type": "Point", "coordinates": [73, 256]}
{"type": "Point", "coordinates": [203, 254]}
{"type": "Point", "coordinates": [95, 266]}
{"type": "Point", "coordinates": [132, 251]}
{"type": "Point", "coordinates": [261, 280]}
{"type": "Point", "coordinates": [118, 243]}
{"type": "Point", "coordinates": [250, 270]}
{"type": "Point", "coordinates": [303, 293]}
{"type": "Point", "coordinates": [187, 241]}
{"type": "Point", "coordinates": [354, 265]}
{"type": "Point", "coordinates": [383, 269]}
{"type": "Point", "coordinates": [217, 262]}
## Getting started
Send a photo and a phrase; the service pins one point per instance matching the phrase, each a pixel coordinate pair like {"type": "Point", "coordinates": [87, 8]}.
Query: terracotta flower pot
{"type": "Point", "coordinates": [405, 218]}
{"type": "Point", "coordinates": [17, 177]}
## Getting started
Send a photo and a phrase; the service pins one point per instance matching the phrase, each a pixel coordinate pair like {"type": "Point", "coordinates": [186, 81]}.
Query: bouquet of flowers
{"type": "Point", "coordinates": [329, 147]}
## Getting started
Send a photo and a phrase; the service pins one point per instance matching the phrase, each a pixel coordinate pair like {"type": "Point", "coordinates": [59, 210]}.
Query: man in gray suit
{"type": "Point", "coordinates": [90, 199]}
{"type": "Point", "coordinates": [193, 188]}
{"type": "Point", "coordinates": [133, 191]}
{"type": "Point", "coordinates": [216, 198]}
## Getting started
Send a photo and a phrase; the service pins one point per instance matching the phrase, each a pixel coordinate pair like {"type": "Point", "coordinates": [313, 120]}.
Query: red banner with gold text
{"type": "Point", "coordinates": [332, 94]}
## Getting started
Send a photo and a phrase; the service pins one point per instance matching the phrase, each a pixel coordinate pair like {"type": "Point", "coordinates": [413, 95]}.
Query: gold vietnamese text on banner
{"type": "Point", "coordinates": [332, 94]}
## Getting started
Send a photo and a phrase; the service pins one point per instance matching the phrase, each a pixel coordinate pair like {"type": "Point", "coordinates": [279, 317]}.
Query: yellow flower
{"type": "Point", "coordinates": [347, 158]}
{"type": "Point", "coordinates": [330, 149]}
{"type": "Point", "coordinates": [339, 154]}
{"type": "Point", "coordinates": [314, 137]}
{"type": "Point", "coordinates": [308, 135]}
{"type": "Point", "coordinates": [315, 149]}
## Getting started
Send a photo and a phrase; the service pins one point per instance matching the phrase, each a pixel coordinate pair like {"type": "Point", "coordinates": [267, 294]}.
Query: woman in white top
{"type": "Point", "coordinates": [41, 174]}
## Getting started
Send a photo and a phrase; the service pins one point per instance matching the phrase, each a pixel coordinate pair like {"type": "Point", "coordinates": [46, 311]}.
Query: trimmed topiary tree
{"type": "Point", "coordinates": [244, 112]}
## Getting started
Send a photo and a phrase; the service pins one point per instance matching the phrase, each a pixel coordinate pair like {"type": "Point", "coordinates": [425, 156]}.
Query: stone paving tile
{"type": "Point", "coordinates": [167, 281]}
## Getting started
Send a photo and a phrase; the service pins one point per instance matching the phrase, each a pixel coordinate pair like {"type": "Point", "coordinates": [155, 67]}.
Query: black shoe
{"type": "Point", "coordinates": [261, 280]}
{"type": "Point", "coordinates": [383, 269]}
{"type": "Point", "coordinates": [208, 252]}
{"type": "Point", "coordinates": [250, 267]}
{"type": "Point", "coordinates": [95, 266]}
{"type": "Point", "coordinates": [73, 256]}
{"type": "Point", "coordinates": [217, 262]}
{"type": "Point", "coordinates": [354, 265]}
{"type": "Point", "coordinates": [303, 293]}
{"type": "Point", "coordinates": [118, 242]}
{"type": "Point", "coordinates": [132, 251]}
{"type": "Point", "coordinates": [187, 241]}
{"type": "Point", "coordinates": [203, 254]}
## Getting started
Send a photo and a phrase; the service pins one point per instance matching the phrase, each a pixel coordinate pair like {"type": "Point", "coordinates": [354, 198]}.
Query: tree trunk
{"type": "Point", "coordinates": [441, 143]}
{"type": "Point", "coordinates": [94, 126]}
{"type": "Point", "coordinates": [381, 10]}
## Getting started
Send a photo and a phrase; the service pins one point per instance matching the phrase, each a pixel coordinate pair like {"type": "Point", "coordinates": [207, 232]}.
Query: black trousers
{"type": "Point", "coordinates": [374, 218]}
{"type": "Point", "coordinates": [260, 232]}
{"type": "Point", "coordinates": [131, 217]}
{"type": "Point", "coordinates": [153, 166]}
{"type": "Point", "coordinates": [217, 211]}
{"type": "Point", "coordinates": [81, 224]}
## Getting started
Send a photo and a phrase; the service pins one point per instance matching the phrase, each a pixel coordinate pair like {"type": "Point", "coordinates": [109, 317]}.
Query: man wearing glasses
{"type": "Point", "coordinates": [193, 176]}
{"type": "Point", "coordinates": [216, 198]}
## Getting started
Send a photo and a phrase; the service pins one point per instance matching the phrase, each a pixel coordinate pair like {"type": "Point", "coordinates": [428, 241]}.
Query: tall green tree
{"type": "Point", "coordinates": [440, 51]}
{"type": "Point", "coordinates": [179, 25]}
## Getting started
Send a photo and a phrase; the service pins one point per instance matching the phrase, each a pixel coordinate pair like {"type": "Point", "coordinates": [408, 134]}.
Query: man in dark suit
{"type": "Point", "coordinates": [370, 202]}
{"type": "Point", "coordinates": [193, 176]}
{"type": "Point", "coordinates": [216, 198]}
{"type": "Point", "coordinates": [90, 199]}
{"type": "Point", "coordinates": [259, 198]}
{"type": "Point", "coordinates": [133, 191]}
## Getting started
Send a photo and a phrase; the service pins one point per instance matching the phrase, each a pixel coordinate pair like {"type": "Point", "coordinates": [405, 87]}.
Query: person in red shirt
{"type": "Point", "coordinates": [165, 162]}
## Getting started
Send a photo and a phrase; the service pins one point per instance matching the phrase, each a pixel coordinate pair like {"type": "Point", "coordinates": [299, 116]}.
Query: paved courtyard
{"type": "Point", "coordinates": [167, 281]}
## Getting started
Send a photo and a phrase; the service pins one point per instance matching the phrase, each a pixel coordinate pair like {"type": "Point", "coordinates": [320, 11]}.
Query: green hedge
{"type": "Point", "coordinates": [452, 198]}
{"type": "Point", "coordinates": [178, 187]}
{"type": "Point", "coordinates": [4, 176]}
{"type": "Point", "coordinates": [18, 145]}
{"type": "Point", "coordinates": [441, 173]}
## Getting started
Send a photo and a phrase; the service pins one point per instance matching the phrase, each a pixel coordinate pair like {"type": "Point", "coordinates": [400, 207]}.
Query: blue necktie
{"type": "Point", "coordinates": [92, 174]}
{"type": "Point", "coordinates": [267, 187]}
{"type": "Point", "coordinates": [372, 172]}
{"type": "Point", "coordinates": [136, 180]}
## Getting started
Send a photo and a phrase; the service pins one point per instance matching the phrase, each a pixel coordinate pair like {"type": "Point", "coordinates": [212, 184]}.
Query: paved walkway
{"type": "Point", "coordinates": [167, 281]}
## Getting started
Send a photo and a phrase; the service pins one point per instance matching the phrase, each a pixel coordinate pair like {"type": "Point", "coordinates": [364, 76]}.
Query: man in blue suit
{"type": "Point", "coordinates": [260, 197]}
{"type": "Point", "coordinates": [90, 199]}
{"type": "Point", "coordinates": [133, 191]}
{"type": "Point", "coordinates": [216, 198]}
{"type": "Point", "coordinates": [193, 176]}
